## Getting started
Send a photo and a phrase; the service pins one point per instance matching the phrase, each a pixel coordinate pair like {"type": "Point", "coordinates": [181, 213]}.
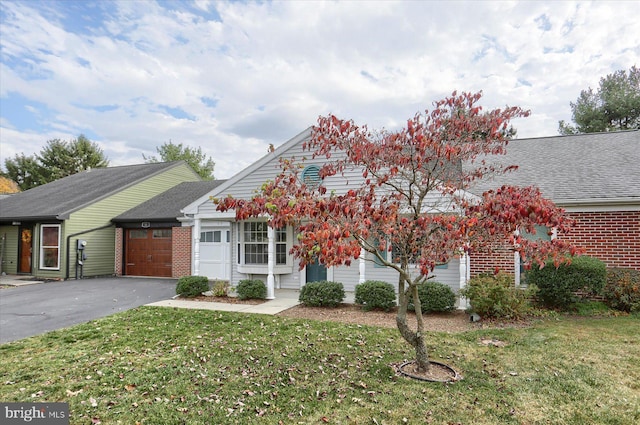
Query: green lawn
{"type": "Point", "coordinates": [170, 366]}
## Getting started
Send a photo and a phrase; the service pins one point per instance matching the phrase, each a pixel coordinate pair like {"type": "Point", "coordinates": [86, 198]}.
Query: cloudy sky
{"type": "Point", "coordinates": [233, 77]}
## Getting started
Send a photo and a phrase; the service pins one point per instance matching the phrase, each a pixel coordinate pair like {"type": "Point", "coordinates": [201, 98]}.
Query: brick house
{"type": "Point", "coordinates": [595, 177]}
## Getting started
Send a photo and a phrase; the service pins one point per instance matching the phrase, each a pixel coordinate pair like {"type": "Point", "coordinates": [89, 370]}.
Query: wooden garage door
{"type": "Point", "coordinates": [148, 252]}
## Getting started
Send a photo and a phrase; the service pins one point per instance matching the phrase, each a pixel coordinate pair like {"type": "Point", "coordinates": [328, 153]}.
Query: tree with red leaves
{"type": "Point", "coordinates": [413, 206]}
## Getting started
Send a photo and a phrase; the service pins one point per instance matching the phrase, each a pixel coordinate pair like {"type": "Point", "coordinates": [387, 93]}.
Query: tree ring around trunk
{"type": "Point", "coordinates": [438, 372]}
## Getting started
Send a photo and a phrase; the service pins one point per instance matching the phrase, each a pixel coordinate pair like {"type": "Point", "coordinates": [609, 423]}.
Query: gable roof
{"type": "Point", "coordinates": [592, 168]}
{"type": "Point", "coordinates": [279, 151]}
{"type": "Point", "coordinates": [168, 204]}
{"type": "Point", "coordinates": [58, 199]}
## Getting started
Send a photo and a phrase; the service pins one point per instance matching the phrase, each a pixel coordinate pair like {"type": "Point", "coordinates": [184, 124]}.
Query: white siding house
{"type": "Point", "coordinates": [254, 251]}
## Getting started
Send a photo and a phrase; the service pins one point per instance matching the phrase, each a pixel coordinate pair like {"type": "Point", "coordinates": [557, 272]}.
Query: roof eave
{"type": "Point", "coordinates": [33, 218]}
{"type": "Point", "coordinates": [600, 204]}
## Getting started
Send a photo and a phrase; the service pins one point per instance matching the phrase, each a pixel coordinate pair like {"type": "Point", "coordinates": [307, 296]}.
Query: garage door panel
{"type": "Point", "coordinates": [148, 252]}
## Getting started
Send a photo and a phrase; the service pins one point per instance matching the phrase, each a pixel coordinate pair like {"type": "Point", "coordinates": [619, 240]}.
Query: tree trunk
{"type": "Point", "coordinates": [414, 338]}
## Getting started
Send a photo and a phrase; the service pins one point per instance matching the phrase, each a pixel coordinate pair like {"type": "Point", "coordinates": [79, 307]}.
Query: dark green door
{"type": "Point", "coordinates": [316, 272]}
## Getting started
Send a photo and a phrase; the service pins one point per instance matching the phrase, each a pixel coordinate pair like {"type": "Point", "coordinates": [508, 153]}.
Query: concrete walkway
{"type": "Point", "coordinates": [269, 307]}
{"type": "Point", "coordinates": [15, 280]}
{"type": "Point", "coordinates": [285, 299]}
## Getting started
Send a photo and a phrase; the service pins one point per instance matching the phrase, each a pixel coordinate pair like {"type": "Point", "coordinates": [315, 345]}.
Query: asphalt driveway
{"type": "Point", "coordinates": [35, 309]}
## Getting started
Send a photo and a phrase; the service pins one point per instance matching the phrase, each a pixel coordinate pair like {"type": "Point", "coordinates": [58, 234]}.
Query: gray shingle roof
{"type": "Point", "coordinates": [167, 205]}
{"type": "Point", "coordinates": [58, 199]}
{"type": "Point", "coordinates": [595, 167]}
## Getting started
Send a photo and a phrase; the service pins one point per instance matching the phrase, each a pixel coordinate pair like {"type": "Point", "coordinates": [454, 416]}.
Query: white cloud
{"type": "Point", "coordinates": [273, 67]}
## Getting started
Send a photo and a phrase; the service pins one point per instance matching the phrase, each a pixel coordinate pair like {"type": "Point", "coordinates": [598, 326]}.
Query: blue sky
{"type": "Point", "coordinates": [234, 77]}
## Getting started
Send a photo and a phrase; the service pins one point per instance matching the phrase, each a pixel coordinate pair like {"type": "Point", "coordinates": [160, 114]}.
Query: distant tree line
{"type": "Point", "coordinates": [58, 159]}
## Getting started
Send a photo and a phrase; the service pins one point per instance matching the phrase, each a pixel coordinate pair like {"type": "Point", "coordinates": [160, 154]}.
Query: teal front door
{"type": "Point", "coordinates": [316, 272]}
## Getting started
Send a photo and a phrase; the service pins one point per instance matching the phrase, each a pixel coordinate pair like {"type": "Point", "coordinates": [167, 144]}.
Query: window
{"type": "Point", "coordinates": [394, 256]}
{"type": "Point", "coordinates": [542, 234]}
{"type": "Point", "coordinates": [212, 236]}
{"type": "Point", "coordinates": [311, 176]}
{"type": "Point", "coordinates": [255, 244]}
{"type": "Point", "coordinates": [50, 247]}
{"type": "Point", "coordinates": [281, 246]}
{"type": "Point", "coordinates": [161, 234]}
{"type": "Point", "coordinates": [137, 234]}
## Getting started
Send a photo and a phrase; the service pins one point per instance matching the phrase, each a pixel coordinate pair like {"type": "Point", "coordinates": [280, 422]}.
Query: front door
{"type": "Point", "coordinates": [25, 250]}
{"type": "Point", "coordinates": [316, 272]}
{"type": "Point", "coordinates": [214, 253]}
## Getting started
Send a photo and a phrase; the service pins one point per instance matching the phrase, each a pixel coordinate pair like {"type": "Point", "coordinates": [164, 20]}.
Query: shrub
{"type": "Point", "coordinates": [192, 286]}
{"type": "Point", "coordinates": [220, 288]}
{"type": "Point", "coordinates": [557, 287]}
{"type": "Point", "coordinates": [622, 290]}
{"type": "Point", "coordinates": [251, 289]}
{"type": "Point", "coordinates": [434, 297]}
{"type": "Point", "coordinates": [375, 294]}
{"type": "Point", "coordinates": [497, 297]}
{"type": "Point", "coordinates": [322, 294]}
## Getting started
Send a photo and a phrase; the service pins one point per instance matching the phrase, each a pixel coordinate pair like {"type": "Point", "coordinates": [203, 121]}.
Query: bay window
{"type": "Point", "coordinates": [253, 246]}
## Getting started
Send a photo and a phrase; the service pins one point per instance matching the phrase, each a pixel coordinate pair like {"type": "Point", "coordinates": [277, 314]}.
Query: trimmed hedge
{"type": "Point", "coordinates": [497, 297]}
{"type": "Point", "coordinates": [622, 290]}
{"type": "Point", "coordinates": [322, 294]}
{"type": "Point", "coordinates": [434, 297]}
{"type": "Point", "coordinates": [192, 286]}
{"type": "Point", "coordinates": [251, 289]}
{"type": "Point", "coordinates": [557, 287]}
{"type": "Point", "coordinates": [374, 294]}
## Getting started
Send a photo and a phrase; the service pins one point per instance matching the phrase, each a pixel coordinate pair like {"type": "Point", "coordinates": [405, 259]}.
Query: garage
{"type": "Point", "coordinates": [148, 252]}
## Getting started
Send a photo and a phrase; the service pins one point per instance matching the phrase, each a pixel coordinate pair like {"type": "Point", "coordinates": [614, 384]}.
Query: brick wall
{"type": "Point", "coordinates": [613, 237]}
{"type": "Point", "coordinates": [499, 259]}
{"type": "Point", "coordinates": [616, 240]}
{"type": "Point", "coordinates": [119, 254]}
{"type": "Point", "coordinates": [181, 252]}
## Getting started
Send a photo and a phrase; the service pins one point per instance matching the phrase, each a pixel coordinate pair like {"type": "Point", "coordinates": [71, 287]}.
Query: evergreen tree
{"type": "Point", "coordinates": [614, 106]}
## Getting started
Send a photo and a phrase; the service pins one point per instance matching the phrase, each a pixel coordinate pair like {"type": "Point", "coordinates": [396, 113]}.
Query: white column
{"type": "Point", "coordinates": [464, 273]}
{"type": "Point", "coordinates": [361, 266]}
{"type": "Point", "coordinates": [270, 263]}
{"type": "Point", "coordinates": [196, 247]}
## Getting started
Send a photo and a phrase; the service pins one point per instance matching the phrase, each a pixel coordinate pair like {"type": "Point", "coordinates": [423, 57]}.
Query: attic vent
{"type": "Point", "coordinates": [311, 176]}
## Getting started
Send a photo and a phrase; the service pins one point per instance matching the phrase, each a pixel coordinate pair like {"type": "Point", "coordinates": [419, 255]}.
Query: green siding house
{"type": "Point", "coordinates": [64, 230]}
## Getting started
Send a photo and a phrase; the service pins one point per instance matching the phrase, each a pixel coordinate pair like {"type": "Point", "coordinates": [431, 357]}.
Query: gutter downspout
{"type": "Point", "coordinates": [78, 234]}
